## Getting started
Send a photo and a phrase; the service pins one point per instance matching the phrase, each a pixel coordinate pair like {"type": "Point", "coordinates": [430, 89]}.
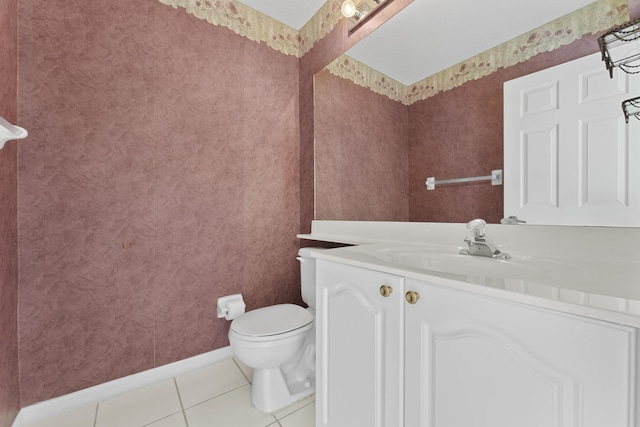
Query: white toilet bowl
{"type": "Point", "coordinates": [278, 342]}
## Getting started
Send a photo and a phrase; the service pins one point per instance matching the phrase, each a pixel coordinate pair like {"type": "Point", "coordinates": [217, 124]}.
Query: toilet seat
{"type": "Point", "coordinates": [276, 321]}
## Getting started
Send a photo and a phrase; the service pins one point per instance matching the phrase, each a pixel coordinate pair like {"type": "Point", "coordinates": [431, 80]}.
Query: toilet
{"type": "Point", "coordinates": [278, 342]}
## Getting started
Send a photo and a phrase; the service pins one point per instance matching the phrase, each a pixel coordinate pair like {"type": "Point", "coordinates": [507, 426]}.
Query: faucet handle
{"type": "Point", "coordinates": [477, 227]}
{"type": "Point", "coordinates": [512, 220]}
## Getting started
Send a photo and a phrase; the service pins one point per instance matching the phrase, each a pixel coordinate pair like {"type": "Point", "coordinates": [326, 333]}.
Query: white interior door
{"type": "Point", "coordinates": [570, 158]}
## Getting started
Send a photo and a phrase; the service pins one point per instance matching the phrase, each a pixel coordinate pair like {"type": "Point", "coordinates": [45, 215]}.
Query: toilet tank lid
{"type": "Point", "coordinates": [272, 320]}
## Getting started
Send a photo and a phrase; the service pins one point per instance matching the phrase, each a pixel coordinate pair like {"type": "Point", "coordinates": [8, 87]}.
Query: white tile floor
{"type": "Point", "coordinates": [216, 395]}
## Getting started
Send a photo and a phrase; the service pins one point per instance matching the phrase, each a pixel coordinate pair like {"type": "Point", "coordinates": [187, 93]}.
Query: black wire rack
{"type": "Point", "coordinates": [630, 61]}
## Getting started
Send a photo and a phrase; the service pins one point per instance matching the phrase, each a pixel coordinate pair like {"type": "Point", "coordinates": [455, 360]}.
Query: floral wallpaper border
{"type": "Point", "coordinates": [365, 76]}
{"type": "Point", "coordinates": [254, 25]}
{"type": "Point", "coordinates": [546, 38]}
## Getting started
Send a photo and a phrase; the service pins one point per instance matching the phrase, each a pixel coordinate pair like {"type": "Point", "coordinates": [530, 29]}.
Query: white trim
{"type": "Point", "coordinates": [78, 399]}
{"type": "Point", "coordinates": [19, 421]}
{"type": "Point", "coordinates": [563, 243]}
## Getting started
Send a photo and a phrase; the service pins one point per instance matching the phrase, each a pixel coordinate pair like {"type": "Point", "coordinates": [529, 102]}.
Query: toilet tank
{"type": "Point", "coordinates": [308, 275]}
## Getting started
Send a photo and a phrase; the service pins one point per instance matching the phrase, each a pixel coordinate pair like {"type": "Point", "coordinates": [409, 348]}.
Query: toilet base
{"type": "Point", "coordinates": [269, 392]}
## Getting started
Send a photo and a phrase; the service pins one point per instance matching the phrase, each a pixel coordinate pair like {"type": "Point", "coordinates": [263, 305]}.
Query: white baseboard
{"type": "Point", "coordinates": [78, 399]}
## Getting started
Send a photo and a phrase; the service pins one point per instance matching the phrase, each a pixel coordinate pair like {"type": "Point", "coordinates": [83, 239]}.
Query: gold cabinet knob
{"type": "Point", "coordinates": [385, 290]}
{"type": "Point", "coordinates": [412, 297]}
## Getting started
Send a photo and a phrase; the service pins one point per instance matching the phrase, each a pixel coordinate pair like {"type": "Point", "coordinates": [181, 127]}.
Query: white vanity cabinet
{"type": "Point", "coordinates": [360, 347]}
{"type": "Point", "coordinates": [477, 361]}
{"type": "Point", "coordinates": [456, 359]}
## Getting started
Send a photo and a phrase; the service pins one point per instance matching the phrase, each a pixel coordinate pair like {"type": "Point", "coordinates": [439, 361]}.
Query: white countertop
{"type": "Point", "coordinates": [587, 271]}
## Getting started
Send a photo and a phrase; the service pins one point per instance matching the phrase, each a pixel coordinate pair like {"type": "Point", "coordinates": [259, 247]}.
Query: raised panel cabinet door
{"type": "Point", "coordinates": [360, 347]}
{"type": "Point", "coordinates": [484, 362]}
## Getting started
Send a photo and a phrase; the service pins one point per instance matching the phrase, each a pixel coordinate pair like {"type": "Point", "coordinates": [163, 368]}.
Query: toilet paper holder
{"type": "Point", "coordinates": [230, 306]}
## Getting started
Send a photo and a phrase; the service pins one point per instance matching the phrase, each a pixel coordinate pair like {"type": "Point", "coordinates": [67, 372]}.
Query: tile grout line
{"type": "Point", "coordinates": [184, 414]}
{"type": "Point", "coordinates": [219, 395]}
{"type": "Point", "coordinates": [291, 413]}
{"type": "Point", "coordinates": [277, 423]}
{"type": "Point", "coordinates": [241, 371]}
{"type": "Point", "coordinates": [95, 416]}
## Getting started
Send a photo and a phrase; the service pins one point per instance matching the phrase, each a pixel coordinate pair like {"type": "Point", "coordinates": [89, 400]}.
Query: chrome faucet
{"type": "Point", "coordinates": [478, 244]}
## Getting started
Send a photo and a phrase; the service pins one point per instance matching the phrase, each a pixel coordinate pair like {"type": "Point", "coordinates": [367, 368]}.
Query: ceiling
{"type": "Point", "coordinates": [294, 13]}
{"type": "Point", "coordinates": [429, 36]}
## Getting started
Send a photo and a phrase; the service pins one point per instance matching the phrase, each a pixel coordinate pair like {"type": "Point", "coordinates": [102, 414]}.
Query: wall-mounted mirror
{"type": "Point", "coordinates": [438, 69]}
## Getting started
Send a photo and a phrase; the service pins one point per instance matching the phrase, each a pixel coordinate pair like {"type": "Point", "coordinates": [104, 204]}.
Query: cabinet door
{"type": "Point", "coordinates": [360, 352]}
{"type": "Point", "coordinates": [483, 362]}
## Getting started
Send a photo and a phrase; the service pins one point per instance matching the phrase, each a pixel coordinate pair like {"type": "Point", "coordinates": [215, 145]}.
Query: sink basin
{"type": "Point", "coordinates": [449, 261]}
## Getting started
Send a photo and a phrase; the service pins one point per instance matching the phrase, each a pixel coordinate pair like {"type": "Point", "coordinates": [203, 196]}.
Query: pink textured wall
{"type": "Point", "coordinates": [9, 384]}
{"type": "Point", "coordinates": [161, 173]}
{"type": "Point", "coordinates": [454, 135]}
{"type": "Point", "coordinates": [361, 155]}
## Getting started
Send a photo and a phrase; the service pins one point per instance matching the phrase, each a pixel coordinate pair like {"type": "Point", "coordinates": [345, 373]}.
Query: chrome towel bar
{"type": "Point", "coordinates": [495, 178]}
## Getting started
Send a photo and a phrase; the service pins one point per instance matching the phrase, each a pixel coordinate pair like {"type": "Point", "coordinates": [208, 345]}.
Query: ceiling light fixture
{"type": "Point", "coordinates": [360, 13]}
{"type": "Point", "coordinates": [349, 10]}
